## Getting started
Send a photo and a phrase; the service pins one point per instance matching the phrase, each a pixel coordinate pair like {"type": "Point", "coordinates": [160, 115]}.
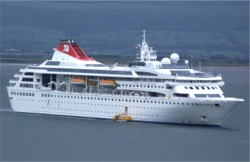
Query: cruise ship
{"type": "Point", "coordinates": [147, 90]}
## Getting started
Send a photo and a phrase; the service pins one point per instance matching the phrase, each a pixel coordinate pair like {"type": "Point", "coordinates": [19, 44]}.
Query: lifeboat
{"type": "Point", "coordinates": [78, 80]}
{"type": "Point", "coordinates": [107, 82]}
{"type": "Point", "coordinates": [121, 117]}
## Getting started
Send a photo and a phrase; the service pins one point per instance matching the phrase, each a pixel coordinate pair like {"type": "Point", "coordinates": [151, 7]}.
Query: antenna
{"type": "Point", "coordinates": [144, 36]}
{"type": "Point", "coordinates": [146, 53]}
{"type": "Point", "coordinates": [191, 61]}
{"type": "Point", "coordinates": [191, 56]}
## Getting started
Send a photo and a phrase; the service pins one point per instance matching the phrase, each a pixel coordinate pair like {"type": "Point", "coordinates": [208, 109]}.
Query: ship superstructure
{"type": "Point", "coordinates": [148, 90]}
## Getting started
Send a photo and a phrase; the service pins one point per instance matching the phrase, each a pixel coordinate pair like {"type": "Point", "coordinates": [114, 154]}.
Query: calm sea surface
{"type": "Point", "coordinates": [32, 137]}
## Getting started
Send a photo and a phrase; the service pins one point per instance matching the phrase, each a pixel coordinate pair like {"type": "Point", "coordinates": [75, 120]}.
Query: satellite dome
{"type": "Point", "coordinates": [186, 62]}
{"type": "Point", "coordinates": [174, 58]}
{"type": "Point", "coordinates": [166, 60]}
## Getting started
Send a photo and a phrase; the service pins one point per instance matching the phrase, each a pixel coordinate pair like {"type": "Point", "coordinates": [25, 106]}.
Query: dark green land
{"type": "Point", "coordinates": [215, 33]}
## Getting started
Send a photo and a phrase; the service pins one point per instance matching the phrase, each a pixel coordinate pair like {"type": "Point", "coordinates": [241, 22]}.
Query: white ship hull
{"type": "Point", "coordinates": [183, 111]}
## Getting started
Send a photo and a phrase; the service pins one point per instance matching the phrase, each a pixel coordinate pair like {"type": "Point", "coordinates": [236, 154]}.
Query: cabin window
{"type": "Point", "coordinates": [180, 95]}
{"type": "Point", "coordinates": [213, 95]}
{"type": "Point", "coordinates": [27, 79]}
{"type": "Point", "coordinates": [200, 95]}
{"type": "Point", "coordinates": [28, 73]}
{"type": "Point", "coordinates": [45, 79]}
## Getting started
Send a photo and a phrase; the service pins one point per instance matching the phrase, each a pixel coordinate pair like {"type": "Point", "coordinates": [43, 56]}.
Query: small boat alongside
{"type": "Point", "coordinates": [122, 117]}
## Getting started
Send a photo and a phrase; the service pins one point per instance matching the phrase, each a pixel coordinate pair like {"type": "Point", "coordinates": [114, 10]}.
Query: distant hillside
{"type": "Point", "coordinates": [203, 30]}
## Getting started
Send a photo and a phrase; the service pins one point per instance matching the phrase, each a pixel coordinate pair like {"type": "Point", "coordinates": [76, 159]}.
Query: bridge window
{"type": "Point", "coordinates": [180, 95]}
{"type": "Point", "coordinates": [27, 79]}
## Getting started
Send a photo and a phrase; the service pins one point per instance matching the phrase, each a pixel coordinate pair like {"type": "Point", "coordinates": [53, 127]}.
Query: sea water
{"type": "Point", "coordinates": [32, 137]}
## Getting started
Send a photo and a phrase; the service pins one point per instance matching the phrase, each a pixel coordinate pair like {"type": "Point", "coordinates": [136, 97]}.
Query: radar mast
{"type": "Point", "coordinates": [146, 53]}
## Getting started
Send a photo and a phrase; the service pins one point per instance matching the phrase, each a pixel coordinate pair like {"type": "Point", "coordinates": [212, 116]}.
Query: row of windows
{"type": "Point", "coordinates": [94, 104]}
{"type": "Point", "coordinates": [28, 73]}
{"type": "Point", "coordinates": [207, 95]}
{"type": "Point", "coordinates": [27, 79]}
{"type": "Point", "coordinates": [127, 73]}
{"type": "Point", "coordinates": [123, 100]}
{"type": "Point", "coordinates": [196, 104]}
{"type": "Point", "coordinates": [174, 66]}
{"type": "Point", "coordinates": [12, 84]}
{"type": "Point", "coordinates": [26, 85]}
{"type": "Point", "coordinates": [145, 73]}
{"type": "Point", "coordinates": [102, 99]}
{"type": "Point", "coordinates": [197, 81]}
{"type": "Point", "coordinates": [84, 71]}
{"type": "Point", "coordinates": [188, 73]}
{"type": "Point", "coordinates": [22, 93]}
{"type": "Point", "coordinates": [53, 63]}
{"type": "Point", "coordinates": [180, 95]}
{"type": "Point", "coordinates": [182, 73]}
{"type": "Point", "coordinates": [136, 63]}
{"type": "Point", "coordinates": [95, 65]}
{"type": "Point", "coordinates": [120, 79]}
{"type": "Point", "coordinates": [202, 88]}
{"type": "Point", "coordinates": [30, 100]}
{"type": "Point", "coordinates": [15, 78]}
{"type": "Point", "coordinates": [142, 86]}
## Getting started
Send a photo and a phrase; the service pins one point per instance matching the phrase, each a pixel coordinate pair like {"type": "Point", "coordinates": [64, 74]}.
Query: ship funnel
{"type": "Point", "coordinates": [70, 47]}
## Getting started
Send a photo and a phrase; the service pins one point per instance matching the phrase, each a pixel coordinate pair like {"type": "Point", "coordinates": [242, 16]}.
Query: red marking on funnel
{"type": "Point", "coordinates": [71, 48]}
